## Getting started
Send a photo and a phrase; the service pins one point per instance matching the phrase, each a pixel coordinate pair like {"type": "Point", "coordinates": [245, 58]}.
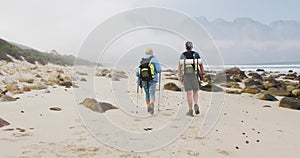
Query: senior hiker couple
{"type": "Point", "coordinates": [190, 70]}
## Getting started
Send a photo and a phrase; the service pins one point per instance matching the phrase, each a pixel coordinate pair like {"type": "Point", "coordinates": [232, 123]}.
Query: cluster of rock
{"type": "Point", "coordinates": [115, 75]}
{"type": "Point", "coordinates": [267, 86]}
{"type": "Point", "coordinates": [21, 77]}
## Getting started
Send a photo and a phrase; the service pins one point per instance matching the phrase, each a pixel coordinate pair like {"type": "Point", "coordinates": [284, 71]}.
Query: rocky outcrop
{"type": "Point", "coordinates": [290, 102]}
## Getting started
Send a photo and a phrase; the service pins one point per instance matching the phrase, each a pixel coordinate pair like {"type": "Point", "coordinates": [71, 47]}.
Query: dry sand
{"type": "Point", "coordinates": [245, 128]}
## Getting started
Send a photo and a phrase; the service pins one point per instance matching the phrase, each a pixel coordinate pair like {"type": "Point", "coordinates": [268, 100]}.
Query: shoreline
{"type": "Point", "coordinates": [247, 126]}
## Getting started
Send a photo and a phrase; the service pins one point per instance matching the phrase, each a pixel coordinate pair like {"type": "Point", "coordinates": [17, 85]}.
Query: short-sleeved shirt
{"type": "Point", "coordinates": [190, 81]}
{"type": "Point", "coordinates": [197, 56]}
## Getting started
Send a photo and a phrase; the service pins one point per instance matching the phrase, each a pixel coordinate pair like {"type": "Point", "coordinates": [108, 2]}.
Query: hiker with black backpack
{"type": "Point", "coordinates": [147, 74]}
{"type": "Point", "coordinates": [190, 72]}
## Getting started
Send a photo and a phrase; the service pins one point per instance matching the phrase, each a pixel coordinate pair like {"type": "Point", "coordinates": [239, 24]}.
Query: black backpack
{"type": "Point", "coordinates": [146, 69]}
{"type": "Point", "coordinates": [189, 68]}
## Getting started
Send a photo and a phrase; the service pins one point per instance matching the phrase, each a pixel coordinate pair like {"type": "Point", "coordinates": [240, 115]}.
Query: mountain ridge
{"type": "Point", "coordinates": [245, 28]}
{"type": "Point", "coordinates": [21, 52]}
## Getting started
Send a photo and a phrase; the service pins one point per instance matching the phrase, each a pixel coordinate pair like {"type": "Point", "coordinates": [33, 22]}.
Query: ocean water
{"type": "Point", "coordinates": [273, 67]}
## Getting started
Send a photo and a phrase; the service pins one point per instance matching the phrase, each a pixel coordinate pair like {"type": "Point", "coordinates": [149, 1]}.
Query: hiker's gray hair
{"type": "Point", "coordinates": [149, 51]}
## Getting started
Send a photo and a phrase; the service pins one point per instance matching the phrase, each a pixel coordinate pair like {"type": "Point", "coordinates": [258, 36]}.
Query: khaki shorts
{"type": "Point", "coordinates": [190, 82]}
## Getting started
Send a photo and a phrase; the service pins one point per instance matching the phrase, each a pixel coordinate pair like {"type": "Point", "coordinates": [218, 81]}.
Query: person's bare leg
{"type": "Point", "coordinates": [189, 99]}
{"type": "Point", "coordinates": [196, 106]}
{"type": "Point", "coordinates": [152, 101]}
{"type": "Point", "coordinates": [148, 103]}
{"type": "Point", "coordinates": [195, 97]}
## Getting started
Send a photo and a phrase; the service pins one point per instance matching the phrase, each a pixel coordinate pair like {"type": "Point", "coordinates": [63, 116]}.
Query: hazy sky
{"type": "Point", "coordinates": [64, 24]}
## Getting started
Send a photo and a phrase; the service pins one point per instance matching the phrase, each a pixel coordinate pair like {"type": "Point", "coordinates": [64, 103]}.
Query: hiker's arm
{"type": "Point", "coordinates": [137, 74]}
{"type": "Point", "coordinates": [157, 67]}
{"type": "Point", "coordinates": [202, 71]}
{"type": "Point", "coordinates": [179, 72]}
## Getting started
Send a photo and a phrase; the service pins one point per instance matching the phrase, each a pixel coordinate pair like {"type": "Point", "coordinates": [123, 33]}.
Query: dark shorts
{"type": "Point", "coordinates": [190, 82]}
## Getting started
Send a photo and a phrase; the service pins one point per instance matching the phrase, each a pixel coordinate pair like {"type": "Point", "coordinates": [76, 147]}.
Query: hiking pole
{"type": "Point", "coordinates": [159, 82]}
{"type": "Point", "coordinates": [137, 95]}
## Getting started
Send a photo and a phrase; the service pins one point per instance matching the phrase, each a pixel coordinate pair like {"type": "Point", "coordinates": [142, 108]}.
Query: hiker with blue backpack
{"type": "Point", "coordinates": [191, 72]}
{"type": "Point", "coordinates": [147, 74]}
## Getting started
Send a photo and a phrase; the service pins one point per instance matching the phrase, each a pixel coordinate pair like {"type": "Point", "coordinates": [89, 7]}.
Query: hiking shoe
{"type": "Point", "coordinates": [151, 109]}
{"type": "Point", "coordinates": [196, 108]}
{"type": "Point", "coordinates": [190, 113]}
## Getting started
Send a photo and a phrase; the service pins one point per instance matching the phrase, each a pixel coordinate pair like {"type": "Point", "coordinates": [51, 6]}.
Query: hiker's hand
{"type": "Point", "coordinates": [180, 78]}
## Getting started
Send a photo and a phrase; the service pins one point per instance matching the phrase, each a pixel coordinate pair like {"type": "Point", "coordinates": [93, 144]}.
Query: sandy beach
{"type": "Point", "coordinates": [246, 126]}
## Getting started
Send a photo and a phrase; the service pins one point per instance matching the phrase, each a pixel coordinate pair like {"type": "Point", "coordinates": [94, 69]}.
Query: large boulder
{"type": "Point", "coordinates": [278, 92]}
{"type": "Point", "coordinates": [251, 89]}
{"type": "Point", "coordinates": [289, 102]}
{"type": "Point", "coordinates": [272, 82]}
{"type": "Point", "coordinates": [235, 71]}
{"type": "Point", "coordinates": [290, 76]}
{"type": "Point", "coordinates": [172, 87]}
{"type": "Point", "coordinates": [252, 82]}
{"type": "Point", "coordinates": [260, 70]}
{"type": "Point", "coordinates": [266, 96]}
{"type": "Point", "coordinates": [83, 79]}
{"type": "Point", "coordinates": [210, 87]}
{"type": "Point", "coordinates": [290, 88]}
{"type": "Point", "coordinates": [92, 104]}
{"type": "Point", "coordinates": [3, 123]}
{"type": "Point", "coordinates": [255, 76]}
{"type": "Point", "coordinates": [296, 93]}
{"type": "Point", "coordinates": [96, 106]}
{"type": "Point", "coordinates": [107, 106]}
